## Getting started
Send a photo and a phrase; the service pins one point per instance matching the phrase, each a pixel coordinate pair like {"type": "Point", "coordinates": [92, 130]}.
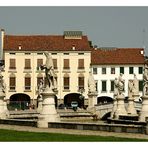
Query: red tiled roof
{"type": "Point", "coordinates": [45, 42]}
{"type": "Point", "coordinates": [117, 56]}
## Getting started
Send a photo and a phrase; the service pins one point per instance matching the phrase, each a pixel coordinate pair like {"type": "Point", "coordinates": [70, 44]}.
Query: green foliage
{"type": "Point", "coordinates": [21, 136]}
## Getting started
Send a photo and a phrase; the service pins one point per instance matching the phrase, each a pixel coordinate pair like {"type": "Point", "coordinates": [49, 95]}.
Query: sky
{"type": "Point", "coordinates": [120, 26]}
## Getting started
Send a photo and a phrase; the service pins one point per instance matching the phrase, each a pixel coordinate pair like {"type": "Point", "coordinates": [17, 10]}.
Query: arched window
{"type": "Point", "coordinates": [12, 82]}
{"type": "Point", "coordinates": [27, 82]}
{"type": "Point", "coordinates": [81, 81]}
{"type": "Point", "coordinates": [66, 81]}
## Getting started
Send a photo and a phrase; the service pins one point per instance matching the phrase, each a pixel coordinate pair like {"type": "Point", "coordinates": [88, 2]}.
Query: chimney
{"type": "Point", "coordinates": [19, 46]}
{"type": "Point", "coordinates": [73, 47]}
{"type": "Point", "coordinates": [2, 44]}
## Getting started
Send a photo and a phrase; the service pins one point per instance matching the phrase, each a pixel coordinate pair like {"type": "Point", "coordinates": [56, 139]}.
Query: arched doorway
{"type": "Point", "coordinates": [19, 101]}
{"type": "Point", "coordinates": [104, 100]}
{"type": "Point", "coordinates": [73, 97]}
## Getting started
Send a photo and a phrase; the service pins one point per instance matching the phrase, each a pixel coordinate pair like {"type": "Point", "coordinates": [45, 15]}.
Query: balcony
{"type": "Point", "coordinates": [27, 89]}
{"type": "Point", "coordinates": [81, 69]}
{"type": "Point", "coordinates": [66, 69]}
{"type": "Point", "coordinates": [27, 69]}
{"type": "Point", "coordinates": [66, 88]}
{"type": "Point", "coordinates": [12, 69]}
{"type": "Point", "coordinates": [12, 89]}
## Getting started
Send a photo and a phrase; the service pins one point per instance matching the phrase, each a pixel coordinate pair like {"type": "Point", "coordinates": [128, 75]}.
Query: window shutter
{"type": "Point", "coordinates": [81, 64]}
{"type": "Point", "coordinates": [12, 82]}
{"type": "Point", "coordinates": [12, 64]}
{"type": "Point", "coordinates": [27, 83]}
{"type": "Point", "coordinates": [39, 62]}
{"type": "Point", "coordinates": [66, 63]}
{"type": "Point", "coordinates": [27, 64]}
{"type": "Point", "coordinates": [81, 82]}
{"type": "Point", "coordinates": [55, 63]}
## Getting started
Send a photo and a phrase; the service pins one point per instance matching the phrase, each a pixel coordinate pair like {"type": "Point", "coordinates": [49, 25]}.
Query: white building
{"type": "Point", "coordinates": [108, 63]}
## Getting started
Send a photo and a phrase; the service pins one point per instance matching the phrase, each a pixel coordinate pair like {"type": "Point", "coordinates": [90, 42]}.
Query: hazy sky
{"type": "Point", "coordinates": [105, 26]}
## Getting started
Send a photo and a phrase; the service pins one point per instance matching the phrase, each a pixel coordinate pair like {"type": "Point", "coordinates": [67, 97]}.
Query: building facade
{"type": "Point", "coordinates": [107, 64]}
{"type": "Point", "coordinates": [73, 58]}
{"type": "Point", "coordinates": [23, 56]}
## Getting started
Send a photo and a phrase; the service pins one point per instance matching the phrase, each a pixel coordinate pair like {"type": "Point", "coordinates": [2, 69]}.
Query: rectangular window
{"type": "Point", "coordinates": [66, 83]}
{"type": "Point", "coordinates": [12, 83]}
{"type": "Point", "coordinates": [131, 70]}
{"type": "Point", "coordinates": [103, 70]}
{"type": "Point", "coordinates": [112, 70]}
{"type": "Point", "coordinates": [111, 86]}
{"type": "Point", "coordinates": [12, 64]}
{"type": "Point", "coordinates": [81, 83]}
{"type": "Point", "coordinates": [55, 63]}
{"type": "Point", "coordinates": [27, 83]}
{"type": "Point", "coordinates": [27, 64]}
{"type": "Point", "coordinates": [103, 86]}
{"type": "Point", "coordinates": [66, 63]}
{"type": "Point", "coordinates": [39, 63]}
{"type": "Point", "coordinates": [140, 70]}
{"type": "Point", "coordinates": [140, 85]}
{"type": "Point", "coordinates": [95, 70]}
{"type": "Point", "coordinates": [80, 63]}
{"type": "Point", "coordinates": [122, 70]}
{"type": "Point", "coordinates": [80, 53]}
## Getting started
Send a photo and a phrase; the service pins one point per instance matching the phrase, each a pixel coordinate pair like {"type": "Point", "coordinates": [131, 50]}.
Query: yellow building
{"type": "Point", "coordinates": [24, 54]}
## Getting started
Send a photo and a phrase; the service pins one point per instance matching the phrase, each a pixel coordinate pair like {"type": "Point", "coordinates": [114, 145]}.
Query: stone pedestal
{"type": "Point", "coordinates": [48, 113]}
{"type": "Point", "coordinates": [144, 110]}
{"type": "Point", "coordinates": [92, 99]}
{"type": "Point", "coordinates": [114, 109]}
{"type": "Point", "coordinates": [40, 105]}
{"type": "Point", "coordinates": [3, 109]}
{"type": "Point", "coordinates": [131, 107]}
{"type": "Point", "coordinates": [120, 107]}
{"type": "Point", "coordinates": [146, 125]}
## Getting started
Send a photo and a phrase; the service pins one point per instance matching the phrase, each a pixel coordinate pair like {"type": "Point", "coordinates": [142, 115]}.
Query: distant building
{"type": "Point", "coordinates": [23, 55]}
{"type": "Point", "coordinates": [73, 57]}
{"type": "Point", "coordinates": [108, 63]}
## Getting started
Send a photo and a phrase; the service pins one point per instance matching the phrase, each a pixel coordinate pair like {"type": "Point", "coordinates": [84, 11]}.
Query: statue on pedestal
{"type": "Point", "coordinates": [49, 72]}
{"type": "Point", "coordinates": [120, 84]}
{"type": "Point", "coordinates": [91, 84]}
{"type": "Point", "coordinates": [135, 85]}
{"type": "Point", "coordinates": [130, 88]}
{"type": "Point", "coordinates": [2, 84]}
{"type": "Point", "coordinates": [145, 78]}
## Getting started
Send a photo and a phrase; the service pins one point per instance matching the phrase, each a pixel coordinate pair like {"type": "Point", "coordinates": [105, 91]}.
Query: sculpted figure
{"type": "Point", "coordinates": [130, 88]}
{"type": "Point", "coordinates": [116, 91]}
{"type": "Point", "coordinates": [91, 83]}
{"type": "Point", "coordinates": [2, 84]}
{"type": "Point", "coordinates": [40, 87]}
{"type": "Point", "coordinates": [120, 84]}
{"type": "Point", "coordinates": [49, 71]}
{"type": "Point", "coordinates": [145, 78]}
{"type": "Point", "coordinates": [135, 85]}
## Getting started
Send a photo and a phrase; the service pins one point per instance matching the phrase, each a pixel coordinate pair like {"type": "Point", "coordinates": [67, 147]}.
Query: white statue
{"type": "Point", "coordinates": [40, 88]}
{"type": "Point", "coordinates": [91, 83]}
{"type": "Point", "coordinates": [145, 78]}
{"type": "Point", "coordinates": [116, 91]}
{"type": "Point", "coordinates": [135, 85]}
{"type": "Point", "coordinates": [130, 88]}
{"type": "Point", "coordinates": [2, 84]}
{"type": "Point", "coordinates": [120, 84]}
{"type": "Point", "coordinates": [49, 72]}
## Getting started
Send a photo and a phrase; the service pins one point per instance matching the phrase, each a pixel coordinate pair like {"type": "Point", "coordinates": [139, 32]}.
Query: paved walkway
{"type": "Point", "coordinates": [71, 131]}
